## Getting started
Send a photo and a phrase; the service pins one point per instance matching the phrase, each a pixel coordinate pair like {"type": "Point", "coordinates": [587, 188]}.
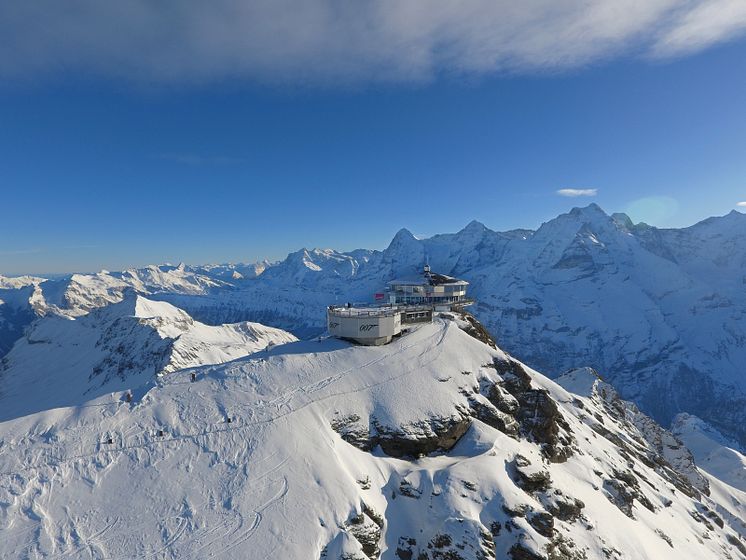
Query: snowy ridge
{"type": "Point", "coordinates": [80, 293]}
{"type": "Point", "coordinates": [720, 457]}
{"type": "Point", "coordinates": [122, 345]}
{"type": "Point", "coordinates": [435, 446]}
{"type": "Point", "coordinates": [587, 382]}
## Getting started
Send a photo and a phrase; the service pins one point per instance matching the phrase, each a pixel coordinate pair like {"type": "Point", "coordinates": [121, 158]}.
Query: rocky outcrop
{"type": "Point", "coordinates": [536, 413]}
{"type": "Point", "coordinates": [413, 440]}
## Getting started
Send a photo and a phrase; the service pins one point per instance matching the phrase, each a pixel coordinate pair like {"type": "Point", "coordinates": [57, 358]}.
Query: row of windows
{"type": "Point", "coordinates": [448, 289]}
{"type": "Point", "coordinates": [423, 299]}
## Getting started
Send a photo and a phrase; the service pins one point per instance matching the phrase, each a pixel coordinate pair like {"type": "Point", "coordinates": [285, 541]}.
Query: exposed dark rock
{"type": "Point", "coordinates": [367, 532]}
{"type": "Point", "coordinates": [565, 508]}
{"type": "Point", "coordinates": [443, 546]}
{"type": "Point", "coordinates": [623, 489]}
{"type": "Point", "coordinates": [537, 414]}
{"type": "Point", "coordinates": [665, 537]}
{"type": "Point", "coordinates": [406, 489]}
{"type": "Point", "coordinates": [515, 377]}
{"type": "Point", "coordinates": [376, 517]}
{"type": "Point", "coordinates": [405, 548]}
{"type": "Point", "coordinates": [714, 516]}
{"type": "Point", "coordinates": [701, 519]}
{"type": "Point", "coordinates": [426, 436]}
{"type": "Point", "coordinates": [562, 548]}
{"type": "Point", "coordinates": [542, 522]}
{"type": "Point", "coordinates": [619, 494]}
{"type": "Point", "coordinates": [519, 552]}
{"type": "Point", "coordinates": [353, 431]}
{"type": "Point", "coordinates": [490, 415]}
{"type": "Point", "coordinates": [530, 480]}
{"type": "Point", "coordinates": [441, 541]}
{"type": "Point", "coordinates": [735, 541]}
{"type": "Point", "coordinates": [519, 511]}
{"type": "Point", "coordinates": [495, 528]}
{"type": "Point", "coordinates": [502, 400]}
{"type": "Point", "coordinates": [433, 434]}
{"type": "Point", "coordinates": [477, 330]}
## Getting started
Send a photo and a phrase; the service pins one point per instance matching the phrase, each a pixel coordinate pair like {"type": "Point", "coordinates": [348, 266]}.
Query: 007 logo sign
{"type": "Point", "coordinates": [368, 327]}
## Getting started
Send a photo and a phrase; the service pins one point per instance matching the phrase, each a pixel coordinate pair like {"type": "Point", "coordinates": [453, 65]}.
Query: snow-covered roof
{"type": "Point", "coordinates": [428, 279]}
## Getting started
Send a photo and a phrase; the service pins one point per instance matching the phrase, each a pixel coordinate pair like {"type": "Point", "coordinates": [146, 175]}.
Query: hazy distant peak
{"type": "Point", "coordinates": [474, 226]}
{"type": "Point", "coordinates": [592, 210]}
{"type": "Point", "coordinates": [623, 220]}
{"type": "Point", "coordinates": [403, 234]}
{"type": "Point", "coordinates": [403, 238]}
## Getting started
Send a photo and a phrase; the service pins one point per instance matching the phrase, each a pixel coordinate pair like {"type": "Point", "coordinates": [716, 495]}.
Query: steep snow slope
{"type": "Point", "coordinates": [61, 361]}
{"type": "Point", "coordinates": [722, 458]}
{"type": "Point", "coordinates": [435, 446]}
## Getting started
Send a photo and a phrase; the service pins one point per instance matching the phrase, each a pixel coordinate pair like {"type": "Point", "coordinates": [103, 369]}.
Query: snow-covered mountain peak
{"type": "Point", "coordinates": [474, 227]}
{"type": "Point", "coordinates": [15, 282]}
{"type": "Point", "coordinates": [125, 344]}
{"type": "Point", "coordinates": [140, 307]}
{"type": "Point", "coordinates": [404, 248]}
{"type": "Point", "coordinates": [437, 446]}
{"type": "Point", "coordinates": [623, 221]}
{"type": "Point", "coordinates": [565, 226]}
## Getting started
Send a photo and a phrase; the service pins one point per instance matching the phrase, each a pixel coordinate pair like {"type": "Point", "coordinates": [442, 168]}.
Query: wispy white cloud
{"type": "Point", "coordinates": [332, 41]}
{"type": "Point", "coordinates": [703, 24]}
{"type": "Point", "coordinates": [741, 203]}
{"type": "Point", "coordinates": [577, 192]}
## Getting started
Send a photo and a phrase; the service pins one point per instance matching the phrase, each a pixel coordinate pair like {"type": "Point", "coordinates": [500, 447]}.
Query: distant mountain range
{"type": "Point", "coordinates": [659, 312]}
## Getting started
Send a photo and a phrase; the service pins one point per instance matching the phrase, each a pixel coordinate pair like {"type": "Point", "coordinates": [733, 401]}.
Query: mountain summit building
{"type": "Point", "coordinates": [430, 288]}
{"type": "Point", "coordinates": [409, 300]}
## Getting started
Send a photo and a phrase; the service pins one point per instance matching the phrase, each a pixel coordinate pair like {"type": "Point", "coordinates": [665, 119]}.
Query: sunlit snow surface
{"type": "Point", "coordinates": [277, 482]}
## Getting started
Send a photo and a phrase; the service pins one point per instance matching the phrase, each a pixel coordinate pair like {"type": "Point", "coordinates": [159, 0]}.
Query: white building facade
{"type": "Point", "coordinates": [371, 326]}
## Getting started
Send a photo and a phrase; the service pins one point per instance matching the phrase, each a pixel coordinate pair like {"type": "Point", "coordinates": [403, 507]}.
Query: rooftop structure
{"type": "Point", "coordinates": [441, 291]}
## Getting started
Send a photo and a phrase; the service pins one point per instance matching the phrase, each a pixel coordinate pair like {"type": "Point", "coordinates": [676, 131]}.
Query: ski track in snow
{"type": "Point", "coordinates": [277, 408]}
{"type": "Point", "coordinates": [279, 402]}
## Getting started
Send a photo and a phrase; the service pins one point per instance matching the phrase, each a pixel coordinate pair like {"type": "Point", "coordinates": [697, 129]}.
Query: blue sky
{"type": "Point", "coordinates": [102, 170]}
